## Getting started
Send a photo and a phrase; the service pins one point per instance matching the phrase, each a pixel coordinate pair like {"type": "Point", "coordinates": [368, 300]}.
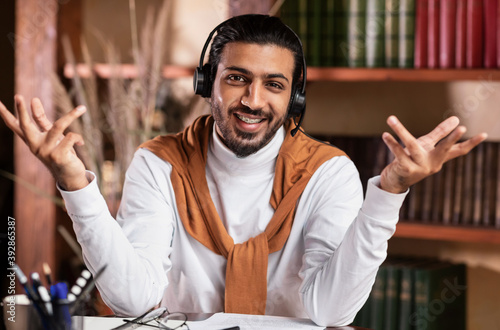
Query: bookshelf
{"type": "Point", "coordinates": [406, 228]}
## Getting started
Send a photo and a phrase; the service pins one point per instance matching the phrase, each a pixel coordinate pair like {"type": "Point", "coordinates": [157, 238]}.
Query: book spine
{"type": "Point", "coordinates": [497, 195]}
{"type": "Point", "coordinates": [478, 184]}
{"type": "Point", "coordinates": [474, 35]}
{"type": "Point", "coordinates": [457, 193]}
{"type": "Point", "coordinates": [461, 34]}
{"type": "Point", "coordinates": [340, 21]}
{"type": "Point", "coordinates": [421, 26]}
{"type": "Point", "coordinates": [437, 200]}
{"type": "Point", "coordinates": [328, 33]}
{"type": "Point", "coordinates": [356, 33]}
{"type": "Point", "coordinates": [406, 33]}
{"type": "Point", "coordinates": [375, 16]}
{"type": "Point", "coordinates": [302, 32]}
{"type": "Point", "coordinates": [391, 311]}
{"type": "Point", "coordinates": [433, 34]}
{"type": "Point", "coordinates": [314, 27]}
{"type": "Point", "coordinates": [449, 175]}
{"type": "Point", "coordinates": [447, 38]}
{"type": "Point", "coordinates": [377, 299]}
{"type": "Point", "coordinates": [391, 33]}
{"type": "Point", "coordinates": [490, 33]}
{"type": "Point", "coordinates": [488, 184]}
{"type": "Point", "coordinates": [466, 214]}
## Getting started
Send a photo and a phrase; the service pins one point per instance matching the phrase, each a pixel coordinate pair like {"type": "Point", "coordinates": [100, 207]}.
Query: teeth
{"type": "Point", "coordinates": [248, 120]}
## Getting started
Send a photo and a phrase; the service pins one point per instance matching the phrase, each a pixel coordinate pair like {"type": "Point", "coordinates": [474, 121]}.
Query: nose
{"type": "Point", "coordinates": [254, 97]}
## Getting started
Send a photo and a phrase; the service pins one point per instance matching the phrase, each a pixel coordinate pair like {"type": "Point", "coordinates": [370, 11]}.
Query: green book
{"type": "Point", "coordinates": [356, 21]}
{"type": "Point", "coordinates": [289, 14]}
{"type": "Point", "coordinates": [374, 36]}
{"type": "Point", "coordinates": [328, 33]}
{"type": "Point", "coordinates": [406, 33]}
{"type": "Point", "coordinates": [341, 10]}
{"type": "Point", "coordinates": [440, 297]}
{"type": "Point", "coordinates": [314, 32]}
{"type": "Point", "coordinates": [377, 299]}
{"type": "Point", "coordinates": [302, 28]}
{"type": "Point", "coordinates": [391, 32]}
{"type": "Point", "coordinates": [407, 291]}
{"type": "Point", "coordinates": [392, 293]}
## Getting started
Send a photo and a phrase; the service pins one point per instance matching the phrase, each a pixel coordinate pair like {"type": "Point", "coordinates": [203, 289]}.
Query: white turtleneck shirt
{"type": "Point", "coordinates": [324, 272]}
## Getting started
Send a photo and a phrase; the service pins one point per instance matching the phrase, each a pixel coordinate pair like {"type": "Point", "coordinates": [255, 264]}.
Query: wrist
{"type": "Point", "coordinates": [74, 183]}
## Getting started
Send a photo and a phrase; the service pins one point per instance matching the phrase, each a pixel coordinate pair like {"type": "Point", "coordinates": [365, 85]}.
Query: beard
{"type": "Point", "coordinates": [241, 143]}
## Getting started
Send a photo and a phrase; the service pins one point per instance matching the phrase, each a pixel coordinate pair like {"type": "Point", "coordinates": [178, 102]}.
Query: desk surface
{"type": "Point", "coordinates": [204, 316]}
{"type": "Point", "coordinates": [105, 323]}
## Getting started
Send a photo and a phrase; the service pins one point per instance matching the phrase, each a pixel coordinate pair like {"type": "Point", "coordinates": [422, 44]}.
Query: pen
{"type": "Point", "coordinates": [47, 272]}
{"type": "Point", "coordinates": [42, 292]}
{"type": "Point", "coordinates": [24, 282]}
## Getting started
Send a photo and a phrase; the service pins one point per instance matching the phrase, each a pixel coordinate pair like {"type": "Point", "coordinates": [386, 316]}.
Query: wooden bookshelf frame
{"type": "Point", "coordinates": [447, 233]}
{"type": "Point", "coordinates": [386, 74]}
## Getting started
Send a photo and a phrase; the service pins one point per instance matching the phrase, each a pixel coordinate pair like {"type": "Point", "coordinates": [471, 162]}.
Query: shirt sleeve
{"type": "Point", "coordinates": [137, 244]}
{"type": "Point", "coordinates": [345, 242]}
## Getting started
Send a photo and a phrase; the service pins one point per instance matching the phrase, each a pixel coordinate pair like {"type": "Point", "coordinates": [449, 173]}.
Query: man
{"type": "Point", "coordinates": [236, 214]}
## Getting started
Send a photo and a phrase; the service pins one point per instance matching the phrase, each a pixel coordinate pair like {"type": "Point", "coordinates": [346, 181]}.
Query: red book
{"type": "Point", "coordinates": [433, 34]}
{"type": "Point", "coordinates": [447, 19]}
{"type": "Point", "coordinates": [490, 33]}
{"type": "Point", "coordinates": [474, 39]}
{"type": "Point", "coordinates": [498, 36]}
{"type": "Point", "coordinates": [421, 22]}
{"type": "Point", "coordinates": [461, 33]}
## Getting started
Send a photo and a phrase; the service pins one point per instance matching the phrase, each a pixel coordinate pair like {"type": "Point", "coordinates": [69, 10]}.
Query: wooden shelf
{"type": "Point", "coordinates": [447, 233]}
{"type": "Point", "coordinates": [126, 71]}
{"type": "Point", "coordinates": [384, 74]}
{"type": "Point", "coordinates": [107, 71]}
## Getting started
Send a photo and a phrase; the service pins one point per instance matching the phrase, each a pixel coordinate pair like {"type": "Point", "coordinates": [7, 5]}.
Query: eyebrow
{"type": "Point", "coordinates": [267, 76]}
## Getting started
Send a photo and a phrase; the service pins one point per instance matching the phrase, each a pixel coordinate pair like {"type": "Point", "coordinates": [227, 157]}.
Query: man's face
{"type": "Point", "coordinates": [250, 94]}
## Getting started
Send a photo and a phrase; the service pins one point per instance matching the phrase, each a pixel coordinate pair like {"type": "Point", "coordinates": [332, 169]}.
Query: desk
{"type": "Point", "coordinates": [105, 323]}
{"type": "Point", "coordinates": [204, 316]}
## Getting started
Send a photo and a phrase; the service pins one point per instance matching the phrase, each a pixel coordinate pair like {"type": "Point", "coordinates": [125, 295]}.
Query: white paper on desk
{"type": "Point", "coordinates": [106, 323]}
{"type": "Point", "coordinates": [220, 321]}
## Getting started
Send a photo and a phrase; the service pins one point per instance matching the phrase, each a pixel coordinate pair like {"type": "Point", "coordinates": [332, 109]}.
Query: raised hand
{"type": "Point", "coordinates": [48, 142]}
{"type": "Point", "coordinates": [424, 156]}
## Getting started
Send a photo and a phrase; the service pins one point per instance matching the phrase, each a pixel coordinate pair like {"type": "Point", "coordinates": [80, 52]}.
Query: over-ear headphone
{"type": "Point", "coordinates": [202, 79]}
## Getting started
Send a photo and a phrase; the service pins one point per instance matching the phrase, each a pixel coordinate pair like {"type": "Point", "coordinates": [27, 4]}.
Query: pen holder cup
{"type": "Point", "coordinates": [20, 314]}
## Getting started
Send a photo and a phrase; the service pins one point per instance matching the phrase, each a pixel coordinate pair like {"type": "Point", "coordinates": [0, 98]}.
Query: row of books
{"type": "Point", "coordinates": [397, 33]}
{"type": "Point", "coordinates": [412, 293]}
{"type": "Point", "coordinates": [466, 192]}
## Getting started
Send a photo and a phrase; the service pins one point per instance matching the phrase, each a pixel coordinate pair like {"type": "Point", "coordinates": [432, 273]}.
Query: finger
{"type": "Point", "coordinates": [29, 129]}
{"type": "Point", "coordinates": [10, 120]}
{"type": "Point", "coordinates": [465, 147]}
{"type": "Point", "coordinates": [60, 153]}
{"type": "Point", "coordinates": [445, 144]}
{"type": "Point", "coordinates": [443, 129]}
{"type": "Point", "coordinates": [39, 115]}
{"type": "Point", "coordinates": [394, 146]}
{"type": "Point", "coordinates": [411, 143]}
{"type": "Point", "coordinates": [406, 137]}
{"type": "Point", "coordinates": [58, 128]}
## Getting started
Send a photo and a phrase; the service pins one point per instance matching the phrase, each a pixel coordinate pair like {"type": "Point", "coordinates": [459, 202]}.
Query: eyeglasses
{"type": "Point", "coordinates": [162, 319]}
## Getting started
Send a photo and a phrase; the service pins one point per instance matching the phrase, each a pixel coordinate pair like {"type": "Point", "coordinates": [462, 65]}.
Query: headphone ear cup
{"type": "Point", "coordinates": [298, 104]}
{"type": "Point", "coordinates": [202, 83]}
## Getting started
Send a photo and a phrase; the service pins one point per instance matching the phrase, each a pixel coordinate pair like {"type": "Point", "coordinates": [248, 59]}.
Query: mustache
{"type": "Point", "coordinates": [248, 111]}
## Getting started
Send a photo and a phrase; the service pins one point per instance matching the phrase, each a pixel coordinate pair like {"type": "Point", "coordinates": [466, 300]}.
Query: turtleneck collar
{"type": "Point", "coordinates": [262, 161]}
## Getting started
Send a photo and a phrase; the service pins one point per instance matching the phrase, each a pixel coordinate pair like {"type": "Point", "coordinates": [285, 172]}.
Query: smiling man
{"type": "Point", "coordinates": [241, 212]}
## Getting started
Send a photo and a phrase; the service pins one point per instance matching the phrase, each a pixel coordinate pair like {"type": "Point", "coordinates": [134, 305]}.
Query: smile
{"type": "Point", "coordinates": [249, 120]}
